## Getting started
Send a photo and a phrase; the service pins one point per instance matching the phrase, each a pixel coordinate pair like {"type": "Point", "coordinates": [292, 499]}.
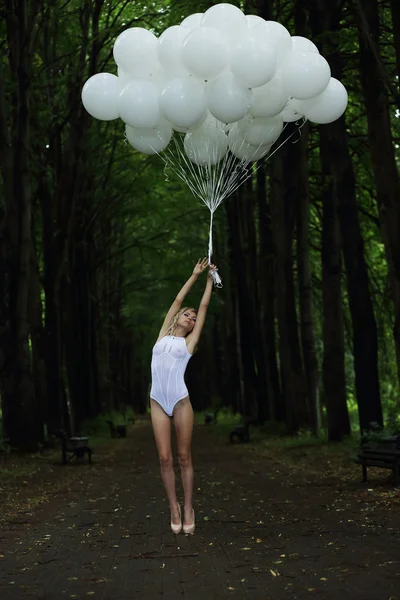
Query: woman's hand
{"type": "Point", "coordinates": [200, 266]}
{"type": "Point", "coordinates": [211, 268]}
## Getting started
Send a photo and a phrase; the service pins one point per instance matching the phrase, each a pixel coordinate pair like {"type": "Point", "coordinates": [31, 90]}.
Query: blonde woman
{"type": "Point", "coordinates": [169, 397]}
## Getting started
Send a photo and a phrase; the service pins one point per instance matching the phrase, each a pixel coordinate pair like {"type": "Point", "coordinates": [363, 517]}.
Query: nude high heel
{"type": "Point", "coordinates": [177, 528]}
{"type": "Point", "coordinates": [190, 528]}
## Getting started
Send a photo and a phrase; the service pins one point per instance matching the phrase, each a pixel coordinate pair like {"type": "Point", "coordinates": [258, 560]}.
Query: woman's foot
{"type": "Point", "coordinates": [176, 519]}
{"type": "Point", "coordinates": [189, 523]}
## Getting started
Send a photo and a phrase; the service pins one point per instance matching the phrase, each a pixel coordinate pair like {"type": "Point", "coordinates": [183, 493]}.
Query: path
{"type": "Point", "coordinates": [262, 533]}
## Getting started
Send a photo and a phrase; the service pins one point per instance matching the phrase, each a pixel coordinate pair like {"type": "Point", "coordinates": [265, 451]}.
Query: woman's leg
{"type": "Point", "coordinates": [183, 421]}
{"type": "Point", "coordinates": [162, 432]}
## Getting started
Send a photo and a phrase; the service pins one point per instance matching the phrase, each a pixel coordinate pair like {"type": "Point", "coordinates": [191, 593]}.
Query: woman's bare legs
{"type": "Point", "coordinates": [162, 432]}
{"type": "Point", "coordinates": [183, 421]}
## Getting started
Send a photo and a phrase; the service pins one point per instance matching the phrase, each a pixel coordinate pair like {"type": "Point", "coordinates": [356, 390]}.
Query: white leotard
{"type": "Point", "coordinates": [168, 366]}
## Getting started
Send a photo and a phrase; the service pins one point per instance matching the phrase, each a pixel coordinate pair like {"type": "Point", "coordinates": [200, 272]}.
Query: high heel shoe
{"type": "Point", "coordinates": [177, 528]}
{"type": "Point", "coordinates": [189, 528]}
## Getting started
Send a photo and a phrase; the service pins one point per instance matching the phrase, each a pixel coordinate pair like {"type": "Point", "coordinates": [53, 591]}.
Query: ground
{"type": "Point", "coordinates": [271, 524]}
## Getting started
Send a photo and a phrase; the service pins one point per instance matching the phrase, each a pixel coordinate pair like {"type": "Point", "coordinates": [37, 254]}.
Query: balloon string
{"type": "Point", "coordinates": [214, 272]}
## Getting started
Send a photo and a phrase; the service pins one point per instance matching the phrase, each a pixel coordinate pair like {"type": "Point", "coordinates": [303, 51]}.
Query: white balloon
{"type": "Point", "coordinates": [327, 107]}
{"type": "Point", "coordinates": [244, 151]}
{"type": "Point", "coordinates": [292, 112]}
{"type": "Point", "coordinates": [161, 79]}
{"type": "Point", "coordinates": [150, 141]}
{"type": "Point", "coordinates": [302, 44]}
{"type": "Point", "coordinates": [169, 50]}
{"type": "Point", "coordinates": [254, 20]}
{"type": "Point", "coordinates": [124, 77]}
{"type": "Point", "coordinates": [270, 99]}
{"type": "Point", "coordinates": [227, 100]}
{"type": "Point", "coordinates": [206, 145]}
{"type": "Point", "coordinates": [183, 101]}
{"type": "Point", "coordinates": [305, 74]}
{"type": "Point", "coordinates": [227, 18]}
{"type": "Point", "coordinates": [135, 51]}
{"type": "Point", "coordinates": [262, 131]}
{"type": "Point", "coordinates": [192, 127]}
{"type": "Point", "coordinates": [253, 61]}
{"type": "Point", "coordinates": [138, 104]}
{"type": "Point", "coordinates": [276, 34]}
{"type": "Point", "coordinates": [205, 52]}
{"type": "Point", "coordinates": [192, 21]}
{"type": "Point", "coordinates": [100, 96]}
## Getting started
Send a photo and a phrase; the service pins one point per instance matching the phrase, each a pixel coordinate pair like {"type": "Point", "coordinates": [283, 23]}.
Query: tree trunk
{"type": "Point", "coordinates": [283, 203]}
{"type": "Point", "coordinates": [21, 420]}
{"type": "Point", "coordinates": [381, 144]}
{"type": "Point", "coordinates": [266, 307]}
{"type": "Point", "coordinates": [334, 139]}
{"type": "Point", "coordinates": [333, 370]}
{"type": "Point", "coordinates": [305, 284]}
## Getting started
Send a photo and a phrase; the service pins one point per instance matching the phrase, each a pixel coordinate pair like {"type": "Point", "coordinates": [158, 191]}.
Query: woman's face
{"type": "Point", "coordinates": [187, 320]}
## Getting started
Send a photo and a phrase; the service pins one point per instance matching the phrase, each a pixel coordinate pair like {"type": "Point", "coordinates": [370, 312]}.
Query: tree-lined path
{"type": "Point", "coordinates": [265, 530]}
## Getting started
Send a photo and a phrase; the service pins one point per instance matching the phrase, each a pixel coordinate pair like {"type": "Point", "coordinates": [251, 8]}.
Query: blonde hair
{"type": "Point", "coordinates": [174, 320]}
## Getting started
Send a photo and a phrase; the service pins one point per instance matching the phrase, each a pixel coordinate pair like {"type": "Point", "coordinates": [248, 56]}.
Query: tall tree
{"type": "Point", "coordinates": [326, 24]}
{"type": "Point", "coordinates": [375, 89]}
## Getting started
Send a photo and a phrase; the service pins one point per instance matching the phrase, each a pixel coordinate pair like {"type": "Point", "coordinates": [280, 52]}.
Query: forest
{"type": "Point", "coordinates": [96, 239]}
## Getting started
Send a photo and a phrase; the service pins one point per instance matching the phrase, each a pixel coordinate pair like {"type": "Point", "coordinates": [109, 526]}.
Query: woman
{"type": "Point", "coordinates": [169, 396]}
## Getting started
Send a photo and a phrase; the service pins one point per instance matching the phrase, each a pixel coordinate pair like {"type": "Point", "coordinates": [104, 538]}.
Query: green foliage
{"type": "Point", "coordinates": [99, 427]}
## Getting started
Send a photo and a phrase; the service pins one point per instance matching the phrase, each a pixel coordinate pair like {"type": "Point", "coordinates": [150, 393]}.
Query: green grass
{"type": "Point", "coordinates": [98, 427]}
{"type": "Point", "coordinates": [274, 436]}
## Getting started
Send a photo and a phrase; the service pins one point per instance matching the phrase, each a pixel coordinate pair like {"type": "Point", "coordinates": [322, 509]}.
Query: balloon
{"type": "Point", "coordinates": [205, 52]}
{"type": "Point", "coordinates": [269, 99]}
{"type": "Point", "coordinates": [327, 107]}
{"type": "Point", "coordinates": [100, 96]}
{"type": "Point", "coordinates": [292, 111]}
{"type": "Point", "coordinates": [206, 145]}
{"type": "Point", "coordinates": [161, 79]}
{"type": "Point", "coordinates": [262, 131]}
{"type": "Point", "coordinates": [227, 100]}
{"type": "Point", "coordinates": [192, 21]}
{"type": "Point", "coordinates": [276, 34]}
{"type": "Point", "coordinates": [244, 151]}
{"type": "Point", "coordinates": [124, 77]}
{"type": "Point", "coordinates": [305, 74]}
{"type": "Point", "coordinates": [135, 51]}
{"type": "Point", "coordinates": [192, 127]}
{"type": "Point", "coordinates": [253, 21]}
{"type": "Point", "coordinates": [169, 50]}
{"type": "Point", "coordinates": [253, 61]}
{"type": "Point", "coordinates": [150, 141]}
{"type": "Point", "coordinates": [183, 101]}
{"type": "Point", "coordinates": [138, 104]}
{"type": "Point", "coordinates": [302, 44]}
{"type": "Point", "coordinates": [228, 19]}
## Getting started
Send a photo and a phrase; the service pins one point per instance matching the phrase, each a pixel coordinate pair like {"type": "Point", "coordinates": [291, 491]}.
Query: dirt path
{"type": "Point", "coordinates": [264, 531]}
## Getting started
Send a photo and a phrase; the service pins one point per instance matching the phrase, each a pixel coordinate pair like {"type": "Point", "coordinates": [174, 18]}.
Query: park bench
{"type": "Point", "coordinates": [382, 452]}
{"type": "Point", "coordinates": [242, 432]}
{"type": "Point", "coordinates": [117, 431]}
{"type": "Point", "coordinates": [210, 418]}
{"type": "Point", "coordinates": [75, 446]}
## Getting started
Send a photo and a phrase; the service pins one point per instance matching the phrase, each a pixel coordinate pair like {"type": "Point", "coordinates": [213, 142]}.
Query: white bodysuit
{"type": "Point", "coordinates": [168, 366]}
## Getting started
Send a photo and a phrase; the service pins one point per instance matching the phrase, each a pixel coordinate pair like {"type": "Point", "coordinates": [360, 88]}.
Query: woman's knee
{"type": "Point", "coordinates": [166, 461]}
{"type": "Point", "coordinates": [185, 459]}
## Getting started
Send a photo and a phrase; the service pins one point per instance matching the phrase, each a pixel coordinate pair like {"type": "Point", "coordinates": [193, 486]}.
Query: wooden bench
{"type": "Point", "coordinates": [75, 446]}
{"type": "Point", "coordinates": [117, 431]}
{"type": "Point", "coordinates": [210, 418]}
{"type": "Point", "coordinates": [242, 432]}
{"type": "Point", "coordinates": [383, 452]}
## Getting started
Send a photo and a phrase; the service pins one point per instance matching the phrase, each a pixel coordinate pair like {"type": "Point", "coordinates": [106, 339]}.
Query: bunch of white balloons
{"type": "Point", "coordinates": [226, 80]}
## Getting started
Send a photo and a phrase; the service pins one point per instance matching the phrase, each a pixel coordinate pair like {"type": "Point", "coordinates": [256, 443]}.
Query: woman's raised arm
{"type": "Point", "coordinates": [200, 266]}
{"type": "Point", "coordinates": [193, 338]}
